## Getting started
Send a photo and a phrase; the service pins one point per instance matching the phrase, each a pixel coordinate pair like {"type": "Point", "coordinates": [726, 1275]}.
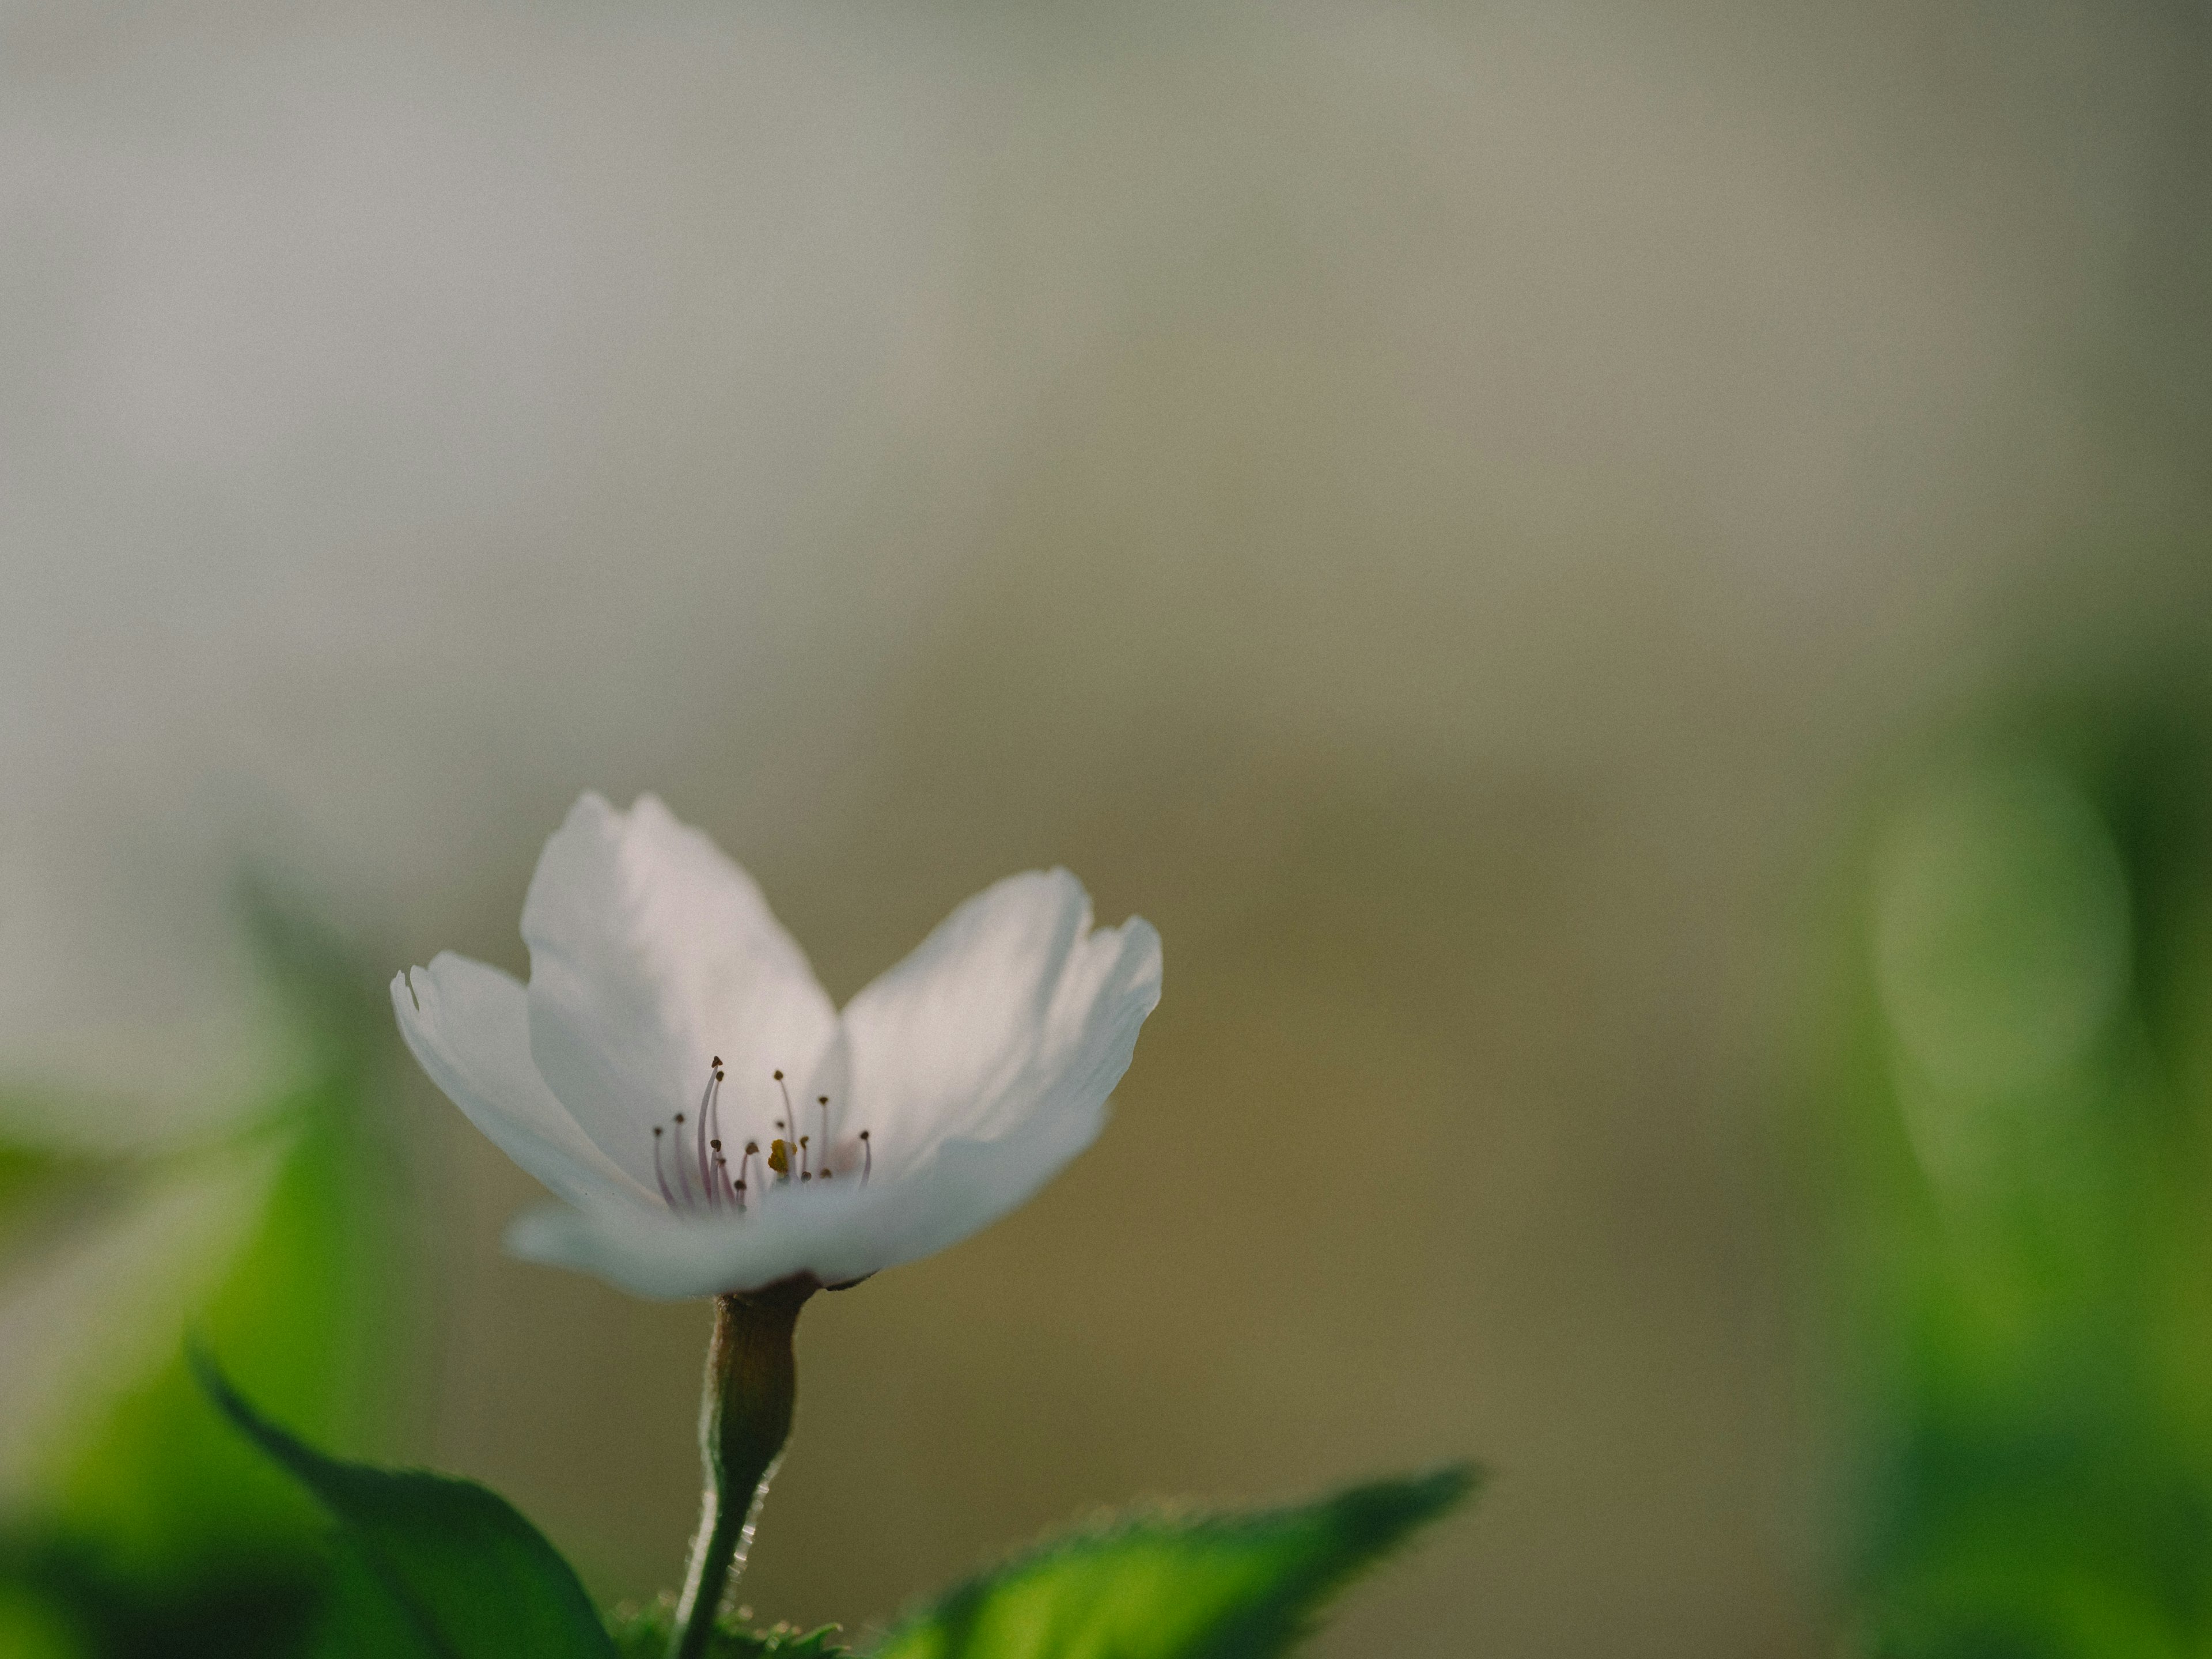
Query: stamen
{"type": "Point", "coordinates": [707, 1111]}
{"type": "Point", "coordinates": [751, 1151]}
{"type": "Point", "coordinates": [804, 1174]}
{"type": "Point", "coordinates": [682, 1177]}
{"type": "Point", "coordinates": [826, 1142]}
{"type": "Point", "coordinates": [722, 1185]}
{"type": "Point", "coordinates": [867, 1157]}
{"type": "Point", "coordinates": [667, 1197]}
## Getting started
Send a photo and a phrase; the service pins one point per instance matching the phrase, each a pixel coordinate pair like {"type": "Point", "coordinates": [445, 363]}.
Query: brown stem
{"type": "Point", "coordinates": [752, 1378]}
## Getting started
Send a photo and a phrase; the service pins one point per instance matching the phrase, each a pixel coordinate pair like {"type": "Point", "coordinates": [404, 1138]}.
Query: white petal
{"type": "Point", "coordinates": [468, 1025]}
{"type": "Point", "coordinates": [966, 1185]}
{"type": "Point", "coordinates": [837, 1233]}
{"type": "Point", "coordinates": [650, 953]}
{"type": "Point", "coordinates": [1033, 1085]}
{"type": "Point", "coordinates": [655, 1253]}
{"type": "Point", "coordinates": [1013, 1008]}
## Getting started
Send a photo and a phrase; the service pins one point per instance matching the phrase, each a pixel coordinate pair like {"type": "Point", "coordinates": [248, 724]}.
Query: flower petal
{"type": "Point", "coordinates": [966, 1185]}
{"type": "Point", "coordinates": [1012, 1009]}
{"type": "Point", "coordinates": [1013, 1019]}
{"type": "Point", "coordinates": [650, 953]}
{"type": "Point", "coordinates": [468, 1025]}
{"type": "Point", "coordinates": [668, 1257]}
{"type": "Point", "coordinates": [836, 1234]}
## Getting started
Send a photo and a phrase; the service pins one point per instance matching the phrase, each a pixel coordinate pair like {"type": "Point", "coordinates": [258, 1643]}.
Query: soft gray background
{"type": "Point", "coordinates": [1439, 507]}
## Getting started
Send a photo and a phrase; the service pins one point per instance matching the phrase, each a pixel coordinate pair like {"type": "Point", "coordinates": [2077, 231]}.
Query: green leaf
{"type": "Point", "coordinates": [31, 1629]}
{"type": "Point", "coordinates": [361, 1619]}
{"type": "Point", "coordinates": [145, 1519]}
{"type": "Point", "coordinates": [1167, 1586]}
{"type": "Point", "coordinates": [465, 1575]}
{"type": "Point", "coordinates": [276, 1242]}
{"type": "Point", "coordinates": [241, 1612]}
{"type": "Point", "coordinates": [644, 1633]}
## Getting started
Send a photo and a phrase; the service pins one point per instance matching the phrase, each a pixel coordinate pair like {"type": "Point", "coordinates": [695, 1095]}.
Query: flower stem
{"type": "Point", "coordinates": [752, 1378]}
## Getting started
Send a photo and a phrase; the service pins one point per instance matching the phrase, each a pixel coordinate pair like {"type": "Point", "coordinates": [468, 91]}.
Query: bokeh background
{"type": "Point", "coordinates": [1628, 586]}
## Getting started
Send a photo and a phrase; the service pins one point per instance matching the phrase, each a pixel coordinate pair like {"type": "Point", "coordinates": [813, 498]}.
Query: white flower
{"type": "Point", "coordinates": [675, 1074]}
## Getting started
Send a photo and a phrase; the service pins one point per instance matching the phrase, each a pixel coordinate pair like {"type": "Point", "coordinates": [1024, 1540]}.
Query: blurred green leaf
{"type": "Point", "coordinates": [2023, 1166]}
{"type": "Point", "coordinates": [31, 1627]}
{"type": "Point", "coordinates": [462, 1571]}
{"type": "Point", "coordinates": [1165, 1586]}
{"type": "Point", "coordinates": [237, 1611]}
{"type": "Point", "coordinates": [150, 1519]}
{"type": "Point", "coordinates": [161, 1483]}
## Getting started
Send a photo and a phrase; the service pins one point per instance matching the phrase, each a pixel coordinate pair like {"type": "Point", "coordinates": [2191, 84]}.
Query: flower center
{"type": "Point", "coordinates": [703, 1179]}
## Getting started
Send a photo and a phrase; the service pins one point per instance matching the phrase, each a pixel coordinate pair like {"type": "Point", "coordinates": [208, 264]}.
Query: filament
{"type": "Point", "coordinates": [667, 1197]}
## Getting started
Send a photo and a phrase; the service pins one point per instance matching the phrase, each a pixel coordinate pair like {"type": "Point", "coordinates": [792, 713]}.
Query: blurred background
{"type": "Point", "coordinates": [1628, 585]}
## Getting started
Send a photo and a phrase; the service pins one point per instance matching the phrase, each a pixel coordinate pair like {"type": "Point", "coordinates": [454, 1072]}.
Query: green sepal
{"type": "Point", "coordinates": [1166, 1585]}
{"type": "Point", "coordinates": [428, 1564]}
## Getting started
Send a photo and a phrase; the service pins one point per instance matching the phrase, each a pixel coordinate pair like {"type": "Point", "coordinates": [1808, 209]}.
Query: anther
{"type": "Point", "coordinates": [788, 1115]}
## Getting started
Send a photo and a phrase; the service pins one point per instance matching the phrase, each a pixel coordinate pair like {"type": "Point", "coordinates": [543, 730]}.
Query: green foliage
{"type": "Point", "coordinates": [154, 1527]}
{"type": "Point", "coordinates": [164, 1528]}
{"type": "Point", "coordinates": [644, 1633]}
{"type": "Point", "coordinates": [2026, 1176]}
{"type": "Point", "coordinates": [162, 1481]}
{"type": "Point", "coordinates": [72, 1590]}
{"type": "Point", "coordinates": [30, 1627]}
{"type": "Point", "coordinates": [1166, 1586]}
{"type": "Point", "coordinates": [1147, 1585]}
{"type": "Point", "coordinates": [462, 1575]}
